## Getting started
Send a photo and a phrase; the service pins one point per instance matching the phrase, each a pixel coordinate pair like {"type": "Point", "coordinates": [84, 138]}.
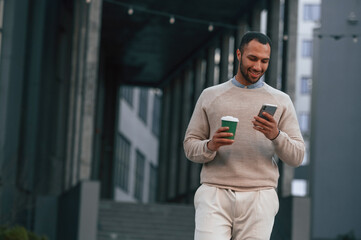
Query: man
{"type": "Point", "coordinates": [237, 199]}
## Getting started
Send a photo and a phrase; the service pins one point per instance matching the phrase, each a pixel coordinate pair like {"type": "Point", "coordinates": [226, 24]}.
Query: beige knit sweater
{"type": "Point", "coordinates": [248, 164]}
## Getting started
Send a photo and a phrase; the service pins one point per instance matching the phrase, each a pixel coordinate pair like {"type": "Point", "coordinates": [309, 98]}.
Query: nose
{"type": "Point", "coordinates": [257, 66]}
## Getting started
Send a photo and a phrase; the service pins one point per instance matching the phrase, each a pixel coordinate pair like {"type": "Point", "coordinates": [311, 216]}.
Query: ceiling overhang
{"type": "Point", "coordinates": [144, 48]}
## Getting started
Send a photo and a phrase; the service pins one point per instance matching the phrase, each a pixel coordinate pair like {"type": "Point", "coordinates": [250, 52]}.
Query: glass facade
{"type": "Point", "coordinates": [311, 12]}
{"type": "Point", "coordinates": [152, 183]}
{"type": "Point", "coordinates": [304, 120]}
{"type": "Point", "coordinates": [122, 161]}
{"type": "Point", "coordinates": [139, 175]}
{"type": "Point", "coordinates": [306, 48]}
{"type": "Point", "coordinates": [143, 104]}
{"type": "Point", "coordinates": [306, 85]}
{"type": "Point", "coordinates": [156, 114]}
{"type": "Point", "coordinates": [127, 94]}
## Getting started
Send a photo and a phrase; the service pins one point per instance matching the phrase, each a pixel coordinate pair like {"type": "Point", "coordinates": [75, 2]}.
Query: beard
{"type": "Point", "coordinates": [246, 76]}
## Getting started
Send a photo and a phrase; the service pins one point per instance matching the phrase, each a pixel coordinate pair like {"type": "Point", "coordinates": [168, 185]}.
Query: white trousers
{"type": "Point", "coordinates": [223, 214]}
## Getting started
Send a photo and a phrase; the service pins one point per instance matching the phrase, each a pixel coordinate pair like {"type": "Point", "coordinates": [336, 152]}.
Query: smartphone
{"type": "Point", "coordinates": [269, 108]}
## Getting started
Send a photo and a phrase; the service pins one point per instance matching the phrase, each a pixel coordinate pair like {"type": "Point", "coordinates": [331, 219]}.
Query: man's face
{"type": "Point", "coordinates": [253, 62]}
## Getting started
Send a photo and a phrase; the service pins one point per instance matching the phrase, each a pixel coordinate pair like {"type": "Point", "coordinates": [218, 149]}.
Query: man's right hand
{"type": "Point", "coordinates": [218, 140]}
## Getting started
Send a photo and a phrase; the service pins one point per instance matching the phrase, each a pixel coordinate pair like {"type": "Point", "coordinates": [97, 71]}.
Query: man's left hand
{"type": "Point", "coordinates": [267, 127]}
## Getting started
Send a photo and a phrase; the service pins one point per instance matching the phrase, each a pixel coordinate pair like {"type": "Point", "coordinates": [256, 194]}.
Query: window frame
{"type": "Point", "coordinates": [128, 95]}
{"type": "Point", "coordinates": [153, 178]}
{"type": "Point", "coordinates": [156, 118]}
{"type": "Point", "coordinates": [139, 175]}
{"type": "Point", "coordinates": [311, 12]}
{"type": "Point", "coordinates": [122, 163]}
{"type": "Point", "coordinates": [307, 48]}
{"type": "Point", "coordinates": [304, 118]}
{"type": "Point", "coordinates": [143, 104]}
{"type": "Point", "coordinates": [306, 85]}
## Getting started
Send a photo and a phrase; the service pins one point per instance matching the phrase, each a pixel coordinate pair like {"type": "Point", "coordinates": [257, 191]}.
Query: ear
{"type": "Point", "coordinates": [239, 55]}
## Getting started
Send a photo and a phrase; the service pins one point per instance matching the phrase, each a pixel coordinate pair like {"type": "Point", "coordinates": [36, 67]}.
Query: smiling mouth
{"type": "Point", "coordinates": [255, 74]}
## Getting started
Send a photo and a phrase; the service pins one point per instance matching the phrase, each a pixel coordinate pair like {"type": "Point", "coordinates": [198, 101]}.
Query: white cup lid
{"type": "Point", "coordinates": [230, 118]}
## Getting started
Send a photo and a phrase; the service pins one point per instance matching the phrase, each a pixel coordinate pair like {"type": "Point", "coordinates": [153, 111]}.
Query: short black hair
{"type": "Point", "coordinates": [249, 36]}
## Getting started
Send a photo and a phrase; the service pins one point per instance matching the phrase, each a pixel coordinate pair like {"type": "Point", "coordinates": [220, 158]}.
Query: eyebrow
{"type": "Point", "coordinates": [258, 57]}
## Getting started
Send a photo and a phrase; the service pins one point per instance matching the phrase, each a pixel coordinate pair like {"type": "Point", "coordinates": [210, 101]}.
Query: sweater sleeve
{"type": "Point", "coordinates": [289, 145]}
{"type": "Point", "coordinates": [197, 135]}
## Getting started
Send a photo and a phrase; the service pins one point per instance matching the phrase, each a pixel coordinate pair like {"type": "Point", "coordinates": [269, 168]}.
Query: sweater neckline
{"type": "Point", "coordinates": [232, 85]}
{"type": "Point", "coordinates": [255, 85]}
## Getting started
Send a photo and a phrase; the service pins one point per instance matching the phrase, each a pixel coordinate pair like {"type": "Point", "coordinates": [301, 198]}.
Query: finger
{"type": "Point", "coordinates": [260, 125]}
{"type": "Point", "coordinates": [222, 129]}
{"type": "Point", "coordinates": [223, 134]}
{"type": "Point", "coordinates": [260, 129]}
{"type": "Point", "coordinates": [223, 141]}
{"type": "Point", "coordinates": [226, 141]}
{"type": "Point", "coordinates": [266, 126]}
{"type": "Point", "coordinates": [269, 116]}
{"type": "Point", "coordinates": [262, 122]}
{"type": "Point", "coordinates": [219, 141]}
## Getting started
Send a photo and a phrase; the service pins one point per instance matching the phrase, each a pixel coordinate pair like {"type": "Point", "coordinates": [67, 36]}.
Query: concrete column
{"type": "Point", "coordinates": [243, 28]}
{"type": "Point", "coordinates": [90, 86]}
{"type": "Point", "coordinates": [78, 212]}
{"type": "Point", "coordinates": [223, 66]}
{"type": "Point", "coordinates": [174, 133]}
{"type": "Point", "coordinates": [186, 112]}
{"type": "Point", "coordinates": [164, 145]}
{"type": "Point", "coordinates": [301, 216]}
{"type": "Point", "coordinates": [12, 75]}
{"type": "Point", "coordinates": [108, 100]}
{"type": "Point", "coordinates": [290, 48]}
{"type": "Point", "coordinates": [197, 81]}
{"type": "Point", "coordinates": [40, 164]}
{"type": "Point", "coordinates": [273, 31]}
{"type": "Point", "coordinates": [210, 66]}
{"type": "Point", "coordinates": [288, 79]}
{"type": "Point", "coordinates": [83, 86]}
{"type": "Point", "coordinates": [195, 167]}
{"type": "Point", "coordinates": [74, 98]}
{"type": "Point", "coordinates": [256, 18]}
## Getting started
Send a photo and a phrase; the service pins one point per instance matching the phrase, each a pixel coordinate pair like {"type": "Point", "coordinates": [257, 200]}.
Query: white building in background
{"type": "Point", "coordinates": [308, 19]}
{"type": "Point", "coordinates": [136, 157]}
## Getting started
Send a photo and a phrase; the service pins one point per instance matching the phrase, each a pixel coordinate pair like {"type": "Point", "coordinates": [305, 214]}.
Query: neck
{"type": "Point", "coordinates": [241, 79]}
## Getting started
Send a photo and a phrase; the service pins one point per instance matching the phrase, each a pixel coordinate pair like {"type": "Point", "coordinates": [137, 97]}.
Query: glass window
{"type": "Point", "coordinates": [306, 48]}
{"type": "Point", "coordinates": [139, 175]}
{"type": "Point", "coordinates": [127, 94]}
{"type": "Point", "coordinates": [304, 122]}
{"type": "Point", "coordinates": [156, 114]}
{"type": "Point", "coordinates": [306, 85]}
{"type": "Point", "coordinates": [122, 160]}
{"type": "Point", "coordinates": [299, 187]}
{"type": "Point", "coordinates": [152, 183]}
{"type": "Point", "coordinates": [143, 104]}
{"type": "Point", "coordinates": [311, 12]}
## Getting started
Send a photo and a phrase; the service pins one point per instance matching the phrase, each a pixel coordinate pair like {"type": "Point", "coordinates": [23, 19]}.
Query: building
{"type": "Point", "coordinates": [63, 68]}
{"type": "Point", "coordinates": [335, 142]}
{"type": "Point", "coordinates": [137, 144]}
{"type": "Point", "coordinates": [308, 19]}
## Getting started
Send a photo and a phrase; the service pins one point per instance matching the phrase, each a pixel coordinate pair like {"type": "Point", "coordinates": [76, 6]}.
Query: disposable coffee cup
{"type": "Point", "coordinates": [231, 122]}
